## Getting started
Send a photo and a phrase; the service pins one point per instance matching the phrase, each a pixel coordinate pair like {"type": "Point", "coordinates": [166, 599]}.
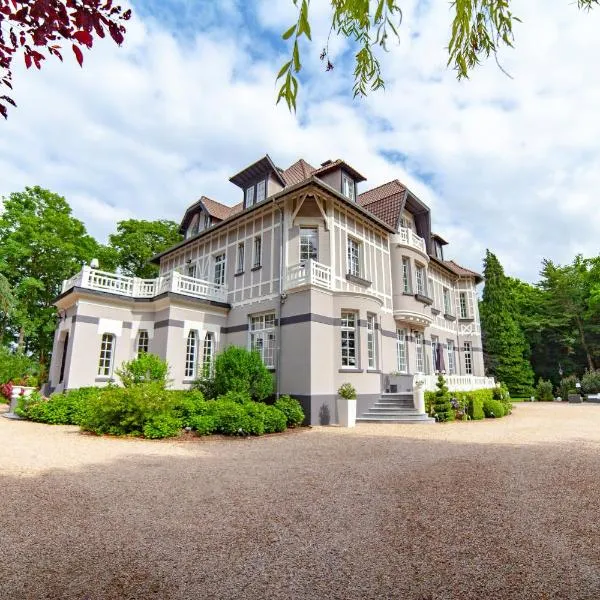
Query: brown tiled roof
{"type": "Point", "coordinates": [381, 192]}
{"type": "Point", "coordinates": [216, 209]}
{"type": "Point", "coordinates": [297, 172]}
{"type": "Point", "coordinates": [461, 271]}
{"type": "Point", "coordinates": [332, 164]}
{"type": "Point", "coordinates": [384, 201]}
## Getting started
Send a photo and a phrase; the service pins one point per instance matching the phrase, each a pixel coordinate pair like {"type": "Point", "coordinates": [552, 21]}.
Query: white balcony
{"type": "Point", "coordinates": [408, 237]}
{"type": "Point", "coordinates": [460, 383]}
{"type": "Point", "coordinates": [309, 272]}
{"type": "Point", "coordinates": [135, 287]}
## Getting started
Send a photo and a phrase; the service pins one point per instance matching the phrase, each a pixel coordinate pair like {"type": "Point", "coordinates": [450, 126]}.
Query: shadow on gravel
{"type": "Point", "coordinates": [310, 516]}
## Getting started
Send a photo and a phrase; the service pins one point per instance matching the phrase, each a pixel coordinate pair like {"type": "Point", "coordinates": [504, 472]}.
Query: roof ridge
{"type": "Point", "coordinates": [380, 186]}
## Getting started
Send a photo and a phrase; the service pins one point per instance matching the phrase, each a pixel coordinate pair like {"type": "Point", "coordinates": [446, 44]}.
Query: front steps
{"type": "Point", "coordinates": [394, 408]}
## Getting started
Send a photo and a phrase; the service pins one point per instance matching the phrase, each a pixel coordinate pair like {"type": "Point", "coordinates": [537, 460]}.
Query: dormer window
{"type": "Point", "coordinates": [438, 250]}
{"type": "Point", "coordinates": [206, 221]}
{"type": "Point", "coordinates": [249, 196]}
{"type": "Point", "coordinates": [348, 187]}
{"type": "Point", "coordinates": [260, 190]}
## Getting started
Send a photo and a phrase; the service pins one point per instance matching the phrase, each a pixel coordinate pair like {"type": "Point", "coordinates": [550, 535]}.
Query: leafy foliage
{"type": "Point", "coordinates": [203, 424]}
{"type": "Point", "coordinates": [493, 409]}
{"type": "Point", "coordinates": [347, 391]}
{"type": "Point", "coordinates": [567, 384]}
{"type": "Point", "coordinates": [30, 27]}
{"type": "Point", "coordinates": [163, 425]}
{"type": "Point", "coordinates": [543, 391]}
{"type": "Point", "coordinates": [590, 382]}
{"type": "Point", "coordinates": [292, 409]}
{"type": "Point", "coordinates": [442, 407]}
{"type": "Point", "coordinates": [16, 367]}
{"type": "Point", "coordinates": [59, 409]}
{"type": "Point", "coordinates": [475, 407]}
{"type": "Point", "coordinates": [243, 371]}
{"type": "Point", "coordinates": [146, 368]}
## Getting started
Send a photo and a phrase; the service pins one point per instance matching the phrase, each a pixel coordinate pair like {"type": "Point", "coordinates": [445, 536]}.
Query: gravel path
{"type": "Point", "coordinates": [488, 510]}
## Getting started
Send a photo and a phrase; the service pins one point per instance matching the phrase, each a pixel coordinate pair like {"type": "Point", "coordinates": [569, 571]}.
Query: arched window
{"type": "Point", "coordinates": [107, 347]}
{"type": "Point", "coordinates": [191, 354]}
{"type": "Point", "coordinates": [143, 342]}
{"type": "Point", "coordinates": [208, 354]}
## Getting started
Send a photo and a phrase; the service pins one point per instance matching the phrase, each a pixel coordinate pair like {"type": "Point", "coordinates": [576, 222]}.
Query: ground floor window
{"type": "Point", "coordinates": [208, 354]}
{"type": "Point", "coordinates": [451, 358]}
{"type": "Point", "coordinates": [468, 359]}
{"type": "Point", "coordinates": [263, 337]}
{"type": "Point", "coordinates": [191, 354]}
{"type": "Point", "coordinates": [402, 358]}
{"type": "Point", "coordinates": [107, 346]}
{"type": "Point", "coordinates": [420, 352]}
{"type": "Point", "coordinates": [348, 339]}
{"type": "Point", "coordinates": [434, 353]}
{"type": "Point", "coordinates": [143, 342]}
{"type": "Point", "coordinates": [371, 342]}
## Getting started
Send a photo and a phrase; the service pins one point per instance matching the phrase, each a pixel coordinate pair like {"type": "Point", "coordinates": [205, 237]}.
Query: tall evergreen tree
{"type": "Point", "coordinates": [506, 351]}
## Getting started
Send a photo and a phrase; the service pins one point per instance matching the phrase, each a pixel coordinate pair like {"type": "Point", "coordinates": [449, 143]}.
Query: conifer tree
{"type": "Point", "coordinates": [506, 351]}
{"type": "Point", "coordinates": [442, 407]}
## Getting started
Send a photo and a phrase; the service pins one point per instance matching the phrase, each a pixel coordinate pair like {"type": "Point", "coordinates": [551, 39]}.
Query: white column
{"type": "Point", "coordinates": [85, 276]}
{"type": "Point", "coordinates": [175, 276]}
{"type": "Point", "coordinates": [419, 393]}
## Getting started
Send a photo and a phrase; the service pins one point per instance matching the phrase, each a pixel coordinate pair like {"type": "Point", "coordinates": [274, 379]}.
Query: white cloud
{"type": "Point", "coordinates": [142, 131]}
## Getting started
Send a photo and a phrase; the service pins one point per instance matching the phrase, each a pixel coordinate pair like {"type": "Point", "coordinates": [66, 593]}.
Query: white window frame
{"type": "Point", "coordinates": [420, 279]}
{"type": "Point", "coordinates": [401, 354]}
{"type": "Point", "coordinates": [353, 256]}
{"type": "Point", "coordinates": [191, 355]}
{"type": "Point", "coordinates": [406, 287]}
{"type": "Point", "coordinates": [468, 357]}
{"type": "Point", "coordinates": [220, 261]}
{"type": "Point", "coordinates": [463, 305]}
{"type": "Point", "coordinates": [206, 221]}
{"type": "Point", "coordinates": [263, 337]}
{"type": "Point", "coordinates": [348, 187]}
{"type": "Point", "coordinates": [435, 340]}
{"type": "Point", "coordinates": [240, 257]}
{"type": "Point", "coordinates": [451, 357]}
{"type": "Point", "coordinates": [208, 354]}
{"type": "Point", "coordinates": [143, 342]}
{"type": "Point", "coordinates": [249, 196]}
{"type": "Point", "coordinates": [447, 301]}
{"type": "Point", "coordinates": [349, 339]}
{"type": "Point", "coordinates": [190, 270]}
{"type": "Point", "coordinates": [107, 355]}
{"type": "Point", "coordinates": [430, 289]}
{"type": "Point", "coordinates": [419, 352]}
{"type": "Point", "coordinates": [261, 190]}
{"type": "Point", "coordinates": [257, 259]}
{"type": "Point", "coordinates": [371, 341]}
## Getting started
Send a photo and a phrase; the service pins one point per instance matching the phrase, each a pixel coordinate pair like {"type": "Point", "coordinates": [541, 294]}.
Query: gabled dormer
{"type": "Point", "coordinates": [203, 214]}
{"type": "Point", "coordinates": [437, 246]}
{"type": "Point", "coordinates": [341, 177]}
{"type": "Point", "coordinates": [259, 181]}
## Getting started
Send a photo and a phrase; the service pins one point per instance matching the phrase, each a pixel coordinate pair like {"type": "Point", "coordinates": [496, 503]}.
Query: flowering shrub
{"type": "Point", "coordinates": [6, 391]}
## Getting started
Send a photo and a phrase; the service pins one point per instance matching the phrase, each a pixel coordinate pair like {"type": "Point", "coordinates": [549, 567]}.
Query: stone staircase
{"type": "Point", "coordinates": [394, 408]}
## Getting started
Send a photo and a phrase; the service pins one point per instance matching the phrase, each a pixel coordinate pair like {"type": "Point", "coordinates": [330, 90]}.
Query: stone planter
{"type": "Point", "coordinates": [17, 392]}
{"type": "Point", "coordinates": [346, 412]}
{"type": "Point", "coordinates": [575, 399]}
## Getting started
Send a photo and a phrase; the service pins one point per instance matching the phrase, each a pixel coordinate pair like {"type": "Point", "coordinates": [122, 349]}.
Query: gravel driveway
{"type": "Point", "coordinates": [496, 509]}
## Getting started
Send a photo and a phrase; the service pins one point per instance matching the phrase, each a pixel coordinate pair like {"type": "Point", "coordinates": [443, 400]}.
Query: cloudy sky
{"type": "Point", "coordinates": [143, 130]}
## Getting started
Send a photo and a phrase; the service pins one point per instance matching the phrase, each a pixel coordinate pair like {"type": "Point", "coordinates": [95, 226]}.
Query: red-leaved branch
{"type": "Point", "coordinates": [34, 28]}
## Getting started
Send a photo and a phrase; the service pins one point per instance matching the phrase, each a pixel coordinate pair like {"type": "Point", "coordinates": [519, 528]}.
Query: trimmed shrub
{"type": "Point", "coordinates": [429, 400]}
{"type": "Point", "coordinates": [274, 419]}
{"type": "Point", "coordinates": [187, 405]}
{"type": "Point", "coordinates": [493, 409]}
{"type": "Point", "coordinates": [26, 403]}
{"type": "Point", "coordinates": [566, 385]}
{"type": "Point", "coordinates": [162, 426]}
{"type": "Point", "coordinates": [442, 408]}
{"type": "Point", "coordinates": [292, 409]}
{"type": "Point", "coordinates": [144, 369]}
{"type": "Point", "coordinates": [475, 407]}
{"type": "Point", "coordinates": [590, 382]}
{"type": "Point", "coordinates": [232, 418]}
{"type": "Point", "coordinates": [62, 409]}
{"type": "Point", "coordinates": [238, 397]}
{"type": "Point", "coordinates": [543, 391]}
{"type": "Point", "coordinates": [203, 424]}
{"type": "Point", "coordinates": [241, 370]}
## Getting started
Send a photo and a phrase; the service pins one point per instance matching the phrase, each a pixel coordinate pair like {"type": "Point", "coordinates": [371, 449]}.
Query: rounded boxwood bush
{"type": "Point", "coordinates": [274, 420]}
{"type": "Point", "coordinates": [203, 424]}
{"type": "Point", "coordinates": [292, 409]}
{"type": "Point", "coordinates": [162, 426]}
{"type": "Point", "coordinates": [493, 409]}
{"type": "Point", "coordinates": [475, 408]}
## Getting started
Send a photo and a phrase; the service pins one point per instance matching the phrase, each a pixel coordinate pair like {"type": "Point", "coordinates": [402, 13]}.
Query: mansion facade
{"type": "Point", "coordinates": [328, 284]}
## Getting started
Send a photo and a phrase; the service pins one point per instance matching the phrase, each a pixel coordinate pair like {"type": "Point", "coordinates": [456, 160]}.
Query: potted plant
{"type": "Point", "coordinates": [21, 386]}
{"type": "Point", "coordinates": [347, 405]}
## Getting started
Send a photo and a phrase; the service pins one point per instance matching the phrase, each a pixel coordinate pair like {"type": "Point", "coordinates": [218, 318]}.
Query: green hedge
{"type": "Point", "coordinates": [474, 401]}
{"type": "Point", "coordinates": [493, 409]}
{"type": "Point", "coordinates": [475, 408]}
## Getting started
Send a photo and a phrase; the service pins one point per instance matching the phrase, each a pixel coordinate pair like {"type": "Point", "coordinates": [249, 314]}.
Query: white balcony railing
{"type": "Point", "coordinates": [460, 383]}
{"type": "Point", "coordinates": [310, 272]}
{"type": "Point", "coordinates": [135, 287]}
{"type": "Point", "coordinates": [409, 238]}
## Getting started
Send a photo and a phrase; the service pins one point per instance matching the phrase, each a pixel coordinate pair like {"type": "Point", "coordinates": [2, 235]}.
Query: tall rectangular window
{"type": "Point", "coordinates": [430, 289]}
{"type": "Point", "coordinates": [220, 269]}
{"type": "Point", "coordinates": [257, 260]}
{"type": "Point", "coordinates": [447, 302]}
{"type": "Point", "coordinates": [240, 258]}
{"type": "Point", "coordinates": [309, 244]}
{"type": "Point", "coordinates": [353, 255]}
{"type": "Point", "coordinates": [420, 277]}
{"type": "Point", "coordinates": [371, 342]}
{"type": "Point", "coordinates": [419, 352]}
{"type": "Point", "coordinates": [434, 349]}
{"type": "Point", "coordinates": [107, 348]}
{"type": "Point", "coordinates": [206, 221]}
{"type": "Point", "coordinates": [260, 190]}
{"type": "Point", "coordinates": [406, 275]}
{"type": "Point", "coordinates": [208, 354]}
{"type": "Point", "coordinates": [263, 337]}
{"type": "Point", "coordinates": [462, 299]}
{"type": "Point", "coordinates": [249, 196]}
{"type": "Point", "coordinates": [402, 358]}
{"type": "Point", "coordinates": [348, 339]}
{"type": "Point", "coordinates": [451, 358]}
{"type": "Point", "coordinates": [191, 354]}
{"type": "Point", "coordinates": [143, 342]}
{"type": "Point", "coordinates": [63, 359]}
{"type": "Point", "coordinates": [468, 358]}
{"type": "Point", "coordinates": [348, 187]}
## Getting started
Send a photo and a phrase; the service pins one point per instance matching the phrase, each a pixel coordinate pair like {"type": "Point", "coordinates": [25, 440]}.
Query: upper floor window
{"type": "Point", "coordinates": [190, 270]}
{"type": "Point", "coordinates": [260, 190]}
{"type": "Point", "coordinates": [406, 221]}
{"type": "Point", "coordinates": [464, 311]}
{"type": "Point", "coordinates": [240, 258]}
{"type": "Point", "coordinates": [263, 337]}
{"type": "Point", "coordinates": [438, 250]}
{"type": "Point", "coordinates": [348, 339]}
{"type": "Point", "coordinates": [191, 354]}
{"type": "Point", "coordinates": [447, 303]}
{"type": "Point", "coordinates": [257, 260]}
{"type": "Point", "coordinates": [402, 359]}
{"type": "Point", "coordinates": [406, 275]}
{"type": "Point", "coordinates": [309, 243]}
{"type": "Point", "coordinates": [353, 254]}
{"type": "Point", "coordinates": [143, 342]}
{"type": "Point", "coordinates": [249, 196]}
{"type": "Point", "coordinates": [206, 221]}
{"type": "Point", "coordinates": [420, 277]}
{"type": "Point", "coordinates": [430, 289]}
{"type": "Point", "coordinates": [107, 348]}
{"type": "Point", "coordinates": [348, 188]}
{"type": "Point", "coordinates": [220, 269]}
